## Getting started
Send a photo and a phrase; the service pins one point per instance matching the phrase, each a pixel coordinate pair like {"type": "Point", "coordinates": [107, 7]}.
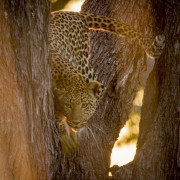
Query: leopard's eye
{"type": "Point", "coordinates": [84, 106]}
{"type": "Point", "coordinates": [67, 106]}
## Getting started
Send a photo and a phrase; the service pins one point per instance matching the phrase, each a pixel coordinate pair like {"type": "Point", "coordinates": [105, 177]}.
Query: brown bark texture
{"type": "Point", "coordinates": [159, 141]}
{"type": "Point", "coordinates": [28, 149]}
{"type": "Point", "coordinates": [121, 65]}
{"type": "Point", "coordinates": [158, 149]}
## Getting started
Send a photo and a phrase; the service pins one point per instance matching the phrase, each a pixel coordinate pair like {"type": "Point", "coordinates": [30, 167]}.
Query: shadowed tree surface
{"type": "Point", "coordinates": [27, 132]}
{"type": "Point", "coordinates": [158, 151]}
{"type": "Point", "coordinates": [158, 145]}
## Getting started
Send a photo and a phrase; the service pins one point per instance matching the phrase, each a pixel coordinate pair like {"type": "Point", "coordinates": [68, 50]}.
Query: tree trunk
{"type": "Point", "coordinates": [120, 64]}
{"type": "Point", "coordinates": [28, 149]}
{"type": "Point", "coordinates": [158, 145]}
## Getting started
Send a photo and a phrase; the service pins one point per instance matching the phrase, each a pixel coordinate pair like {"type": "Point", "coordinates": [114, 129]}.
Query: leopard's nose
{"type": "Point", "coordinates": [76, 122]}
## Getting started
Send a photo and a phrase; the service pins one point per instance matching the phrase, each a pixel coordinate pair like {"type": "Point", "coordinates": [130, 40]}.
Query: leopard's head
{"type": "Point", "coordinates": [77, 104]}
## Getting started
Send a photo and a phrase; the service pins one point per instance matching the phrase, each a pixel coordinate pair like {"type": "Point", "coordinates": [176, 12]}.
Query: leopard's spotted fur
{"type": "Point", "coordinates": [69, 39]}
{"type": "Point", "coordinates": [77, 102]}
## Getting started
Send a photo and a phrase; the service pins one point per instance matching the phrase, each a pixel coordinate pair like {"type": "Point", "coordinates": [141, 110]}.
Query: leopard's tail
{"type": "Point", "coordinates": [153, 47]}
{"type": "Point", "coordinates": [95, 22]}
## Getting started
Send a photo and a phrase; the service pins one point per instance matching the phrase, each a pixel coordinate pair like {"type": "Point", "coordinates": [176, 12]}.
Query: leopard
{"type": "Point", "coordinates": [77, 92]}
{"type": "Point", "coordinates": [74, 98]}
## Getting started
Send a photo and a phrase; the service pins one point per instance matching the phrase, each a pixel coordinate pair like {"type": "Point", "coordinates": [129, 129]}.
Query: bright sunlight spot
{"type": "Point", "coordinates": [122, 155]}
{"type": "Point", "coordinates": [125, 147]}
{"type": "Point", "coordinates": [74, 5]}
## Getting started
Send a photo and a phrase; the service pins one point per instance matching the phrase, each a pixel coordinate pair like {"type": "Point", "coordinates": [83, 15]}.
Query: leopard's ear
{"type": "Point", "coordinates": [95, 88]}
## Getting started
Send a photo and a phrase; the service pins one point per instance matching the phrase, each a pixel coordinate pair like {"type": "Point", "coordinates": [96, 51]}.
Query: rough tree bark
{"type": "Point", "coordinates": [120, 65]}
{"type": "Point", "coordinates": [28, 149]}
{"type": "Point", "coordinates": [158, 147]}
{"type": "Point", "coordinates": [158, 154]}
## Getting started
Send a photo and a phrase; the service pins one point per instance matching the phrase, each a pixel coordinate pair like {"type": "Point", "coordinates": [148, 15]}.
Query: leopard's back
{"type": "Point", "coordinates": [69, 36]}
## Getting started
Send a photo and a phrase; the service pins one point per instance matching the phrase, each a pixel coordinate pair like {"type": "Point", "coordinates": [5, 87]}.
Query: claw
{"type": "Point", "coordinates": [160, 39]}
{"type": "Point", "coordinates": [158, 44]}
